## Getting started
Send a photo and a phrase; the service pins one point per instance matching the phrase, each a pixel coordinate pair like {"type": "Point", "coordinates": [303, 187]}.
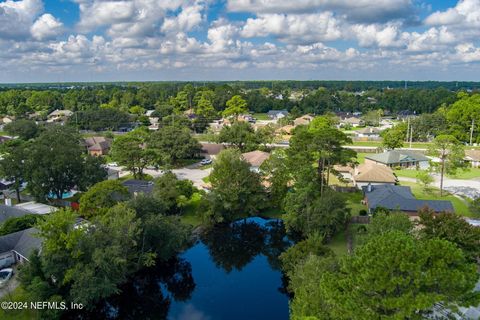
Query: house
{"type": "Point", "coordinates": [149, 113]}
{"type": "Point", "coordinates": [5, 184]}
{"type": "Point", "coordinates": [400, 198]}
{"type": "Point", "coordinates": [7, 120]}
{"type": "Point", "coordinates": [369, 133]}
{"type": "Point", "coordinates": [255, 159]}
{"type": "Point", "coordinates": [136, 187]}
{"type": "Point", "coordinates": [344, 171]}
{"type": "Point", "coordinates": [277, 114]}
{"type": "Point", "coordinates": [473, 158]}
{"type": "Point", "coordinates": [351, 121]}
{"type": "Point", "coordinates": [211, 150]}
{"type": "Point", "coordinates": [18, 246]}
{"type": "Point", "coordinates": [284, 133]}
{"type": "Point", "coordinates": [372, 174]}
{"type": "Point", "coordinates": [33, 207]}
{"type": "Point", "coordinates": [303, 120]}
{"type": "Point", "coordinates": [4, 139]}
{"type": "Point", "coordinates": [399, 158]}
{"type": "Point", "coordinates": [98, 146]}
{"type": "Point", "coordinates": [59, 116]}
{"type": "Point", "coordinates": [8, 211]}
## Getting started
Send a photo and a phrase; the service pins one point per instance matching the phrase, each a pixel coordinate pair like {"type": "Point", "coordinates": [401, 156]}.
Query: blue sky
{"type": "Point", "coordinates": [126, 40]}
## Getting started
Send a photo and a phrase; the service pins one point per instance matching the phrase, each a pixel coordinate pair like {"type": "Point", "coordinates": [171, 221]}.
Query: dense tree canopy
{"type": "Point", "coordinates": [56, 163]}
{"type": "Point", "coordinates": [236, 190]}
{"type": "Point", "coordinates": [392, 276]}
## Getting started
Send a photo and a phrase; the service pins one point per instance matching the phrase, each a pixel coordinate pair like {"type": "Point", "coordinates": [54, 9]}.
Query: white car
{"type": "Point", "coordinates": [5, 275]}
{"type": "Point", "coordinates": [204, 162]}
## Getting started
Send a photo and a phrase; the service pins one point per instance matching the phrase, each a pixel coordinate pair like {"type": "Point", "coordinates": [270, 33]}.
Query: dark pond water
{"type": "Point", "coordinates": [231, 273]}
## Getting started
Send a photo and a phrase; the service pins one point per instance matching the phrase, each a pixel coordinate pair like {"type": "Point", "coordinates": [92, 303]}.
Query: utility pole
{"type": "Point", "coordinates": [471, 131]}
{"type": "Point", "coordinates": [411, 136]}
{"type": "Point", "coordinates": [408, 127]}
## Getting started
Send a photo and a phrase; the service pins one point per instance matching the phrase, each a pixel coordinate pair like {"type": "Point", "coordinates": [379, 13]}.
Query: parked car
{"type": "Point", "coordinates": [205, 162]}
{"type": "Point", "coordinates": [5, 275]}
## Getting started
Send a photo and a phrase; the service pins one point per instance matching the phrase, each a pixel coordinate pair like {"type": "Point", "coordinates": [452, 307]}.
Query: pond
{"type": "Point", "coordinates": [231, 272]}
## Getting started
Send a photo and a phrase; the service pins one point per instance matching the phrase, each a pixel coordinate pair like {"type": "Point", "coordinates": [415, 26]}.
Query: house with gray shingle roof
{"type": "Point", "coordinates": [17, 247]}
{"type": "Point", "coordinates": [400, 198]}
{"type": "Point", "coordinates": [399, 158]}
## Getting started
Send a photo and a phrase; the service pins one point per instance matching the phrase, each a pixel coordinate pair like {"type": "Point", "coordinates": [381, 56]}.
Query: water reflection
{"type": "Point", "coordinates": [231, 273]}
{"type": "Point", "coordinates": [148, 295]}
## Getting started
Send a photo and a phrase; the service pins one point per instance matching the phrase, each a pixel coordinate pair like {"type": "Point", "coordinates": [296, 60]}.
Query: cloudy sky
{"type": "Point", "coordinates": [121, 40]}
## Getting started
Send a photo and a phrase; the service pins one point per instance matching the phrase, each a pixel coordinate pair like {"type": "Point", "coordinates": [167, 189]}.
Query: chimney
{"type": "Point", "coordinates": [8, 202]}
{"type": "Point", "coordinates": [369, 187]}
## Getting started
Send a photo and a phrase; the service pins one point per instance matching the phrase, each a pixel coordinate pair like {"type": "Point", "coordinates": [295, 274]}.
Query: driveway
{"type": "Point", "coordinates": [194, 175]}
{"type": "Point", "coordinates": [191, 173]}
{"type": "Point", "coordinates": [467, 188]}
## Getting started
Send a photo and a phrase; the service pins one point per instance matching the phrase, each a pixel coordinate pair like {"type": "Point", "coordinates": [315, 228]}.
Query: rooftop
{"type": "Point", "coordinates": [23, 242]}
{"type": "Point", "coordinates": [401, 198]}
{"type": "Point", "coordinates": [397, 156]}
{"type": "Point", "coordinates": [256, 158]}
{"type": "Point", "coordinates": [369, 172]}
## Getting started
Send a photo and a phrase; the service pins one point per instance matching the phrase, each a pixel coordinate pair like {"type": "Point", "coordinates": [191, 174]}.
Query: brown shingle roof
{"type": "Point", "coordinates": [212, 149]}
{"type": "Point", "coordinates": [370, 172]}
{"type": "Point", "coordinates": [256, 158]}
{"type": "Point", "coordinates": [473, 154]}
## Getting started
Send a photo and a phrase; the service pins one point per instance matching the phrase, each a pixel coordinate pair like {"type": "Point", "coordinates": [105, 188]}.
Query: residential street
{"type": "Point", "coordinates": [468, 188]}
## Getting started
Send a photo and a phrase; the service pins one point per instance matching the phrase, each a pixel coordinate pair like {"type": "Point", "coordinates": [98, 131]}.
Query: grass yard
{"type": "Point", "coordinates": [408, 173]}
{"type": "Point", "coordinates": [469, 174]}
{"type": "Point", "coordinates": [338, 244]}
{"type": "Point", "coordinates": [361, 157]}
{"type": "Point", "coordinates": [18, 295]}
{"type": "Point", "coordinates": [460, 205]}
{"type": "Point", "coordinates": [261, 116]}
{"type": "Point", "coordinates": [191, 215]}
{"type": "Point", "coordinates": [354, 202]}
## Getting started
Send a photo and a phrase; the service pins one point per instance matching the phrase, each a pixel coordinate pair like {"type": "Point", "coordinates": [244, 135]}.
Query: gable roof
{"type": "Point", "coordinates": [98, 143]}
{"type": "Point", "coordinates": [369, 172]}
{"type": "Point", "coordinates": [36, 207]}
{"type": "Point", "coordinates": [401, 198]}
{"type": "Point", "coordinates": [256, 158]}
{"type": "Point", "coordinates": [62, 113]}
{"type": "Point", "coordinates": [303, 120]}
{"type": "Point", "coordinates": [473, 155]}
{"type": "Point", "coordinates": [23, 242]}
{"type": "Point", "coordinates": [7, 212]}
{"type": "Point", "coordinates": [397, 156]}
{"type": "Point", "coordinates": [138, 186]}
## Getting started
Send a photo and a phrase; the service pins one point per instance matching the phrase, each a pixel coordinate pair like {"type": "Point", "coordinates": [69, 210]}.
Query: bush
{"type": "Point", "coordinates": [12, 225]}
{"type": "Point", "coordinates": [363, 212]}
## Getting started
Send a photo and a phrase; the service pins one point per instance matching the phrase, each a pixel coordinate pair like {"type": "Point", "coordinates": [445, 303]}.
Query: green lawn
{"type": "Point", "coordinates": [361, 157]}
{"type": "Point", "coordinates": [191, 215]}
{"type": "Point", "coordinates": [338, 244]}
{"type": "Point", "coordinates": [18, 295]}
{"type": "Point", "coordinates": [354, 202]}
{"type": "Point", "coordinates": [261, 116]}
{"type": "Point", "coordinates": [469, 174]}
{"type": "Point", "coordinates": [408, 173]}
{"type": "Point", "coordinates": [460, 205]}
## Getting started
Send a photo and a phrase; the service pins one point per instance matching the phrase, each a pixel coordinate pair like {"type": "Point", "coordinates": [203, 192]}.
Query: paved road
{"type": "Point", "coordinates": [468, 188]}
{"type": "Point", "coordinates": [192, 173]}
